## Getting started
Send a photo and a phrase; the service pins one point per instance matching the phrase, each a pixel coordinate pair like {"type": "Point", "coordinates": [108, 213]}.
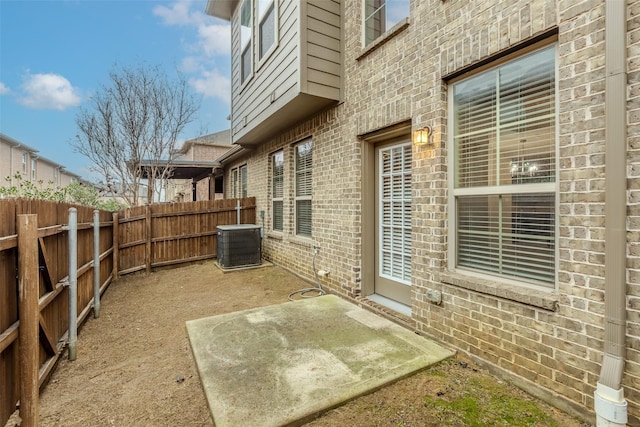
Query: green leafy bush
{"type": "Point", "coordinates": [76, 193]}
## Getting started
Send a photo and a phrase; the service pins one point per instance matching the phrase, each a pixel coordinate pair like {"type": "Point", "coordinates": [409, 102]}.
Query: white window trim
{"type": "Point", "coordinates": [519, 283]}
{"type": "Point", "coordinates": [276, 36]}
{"type": "Point", "coordinates": [244, 83]}
{"type": "Point", "coordinates": [297, 198]}
{"type": "Point", "coordinates": [243, 187]}
{"type": "Point", "coordinates": [273, 198]}
{"type": "Point", "coordinates": [234, 182]}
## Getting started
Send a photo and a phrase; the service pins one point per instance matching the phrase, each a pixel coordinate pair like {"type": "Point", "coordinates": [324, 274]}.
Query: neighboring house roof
{"type": "Point", "coordinates": [192, 169]}
{"type": "Point", "coordinates": [218, 139]}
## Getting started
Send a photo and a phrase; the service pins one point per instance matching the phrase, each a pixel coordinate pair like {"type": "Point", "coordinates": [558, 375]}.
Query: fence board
{"type": "Point", "coordinates": [148, 237]}
{"type": "Point", "coordinates": [52, 243]}
{"type": "Point", "coordinates": [9, 386]}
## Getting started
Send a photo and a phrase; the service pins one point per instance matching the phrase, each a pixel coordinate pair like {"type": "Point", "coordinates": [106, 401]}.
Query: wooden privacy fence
{"type": "Point", "coordinates": [164, 234]}
{"type": "Point", "coordinates": [130, 240]}
{"type": "Point", "coordinates": [50, 273]}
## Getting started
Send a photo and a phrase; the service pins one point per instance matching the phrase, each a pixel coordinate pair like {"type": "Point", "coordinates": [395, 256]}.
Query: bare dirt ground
{"type": "Point", "coordinates": [134, 365]}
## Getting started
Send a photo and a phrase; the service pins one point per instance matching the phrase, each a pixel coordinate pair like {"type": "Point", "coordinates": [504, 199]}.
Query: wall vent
{"type": "Point", "coordinates": [239, 245]}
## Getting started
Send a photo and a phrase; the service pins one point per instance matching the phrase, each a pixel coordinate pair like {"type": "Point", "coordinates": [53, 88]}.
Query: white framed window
{"type": "Point", "coordinates": [267, 27]}
{"type": "Point", "coordinates": [234, 182]}
{"type": "Point", "coordinates": [277, 188]}
{"type": "Point", "coordinates": [56, 176]}
{"type": "Point", "coordinates": [239, 181]}
{"type": "Point", "coordinates": [504, 170]}
{"type": "Point", "coordinates": [381, 15]}
{"type": "Point", "coordinates": [25, 157]}
{"type": "Point", "coordinates": [246, 40]}
{"type": "Point", "coordinates": [304, 178]}
{"type": "Point", "coordinates": [243, 181]}
{"type": "Point", "coordinates": [34, 166]}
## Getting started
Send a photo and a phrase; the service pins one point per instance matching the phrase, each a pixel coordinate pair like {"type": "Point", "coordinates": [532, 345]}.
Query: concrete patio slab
{"type": "Point", "coordinates": [283, 364]}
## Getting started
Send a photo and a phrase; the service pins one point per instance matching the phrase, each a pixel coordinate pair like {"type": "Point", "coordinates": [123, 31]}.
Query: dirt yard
{"type": "Point", "coordinates": [134, 365]}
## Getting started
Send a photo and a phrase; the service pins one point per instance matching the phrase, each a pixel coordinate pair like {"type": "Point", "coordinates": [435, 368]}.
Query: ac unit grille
{"type": "Point", "coordinates": [239, 246]}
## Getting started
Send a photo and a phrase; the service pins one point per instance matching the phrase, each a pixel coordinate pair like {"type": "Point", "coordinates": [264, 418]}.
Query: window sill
{"type": "Point", "coordinates": [537, 297]}
{"type": "Point", "coordinates": [275, 235]}
{"type": "Point", "coordinates": [396, 29]}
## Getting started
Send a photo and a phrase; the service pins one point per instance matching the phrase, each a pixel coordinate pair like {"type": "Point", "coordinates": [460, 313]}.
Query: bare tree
{"type": "Point", "coordinates": [137, 117]}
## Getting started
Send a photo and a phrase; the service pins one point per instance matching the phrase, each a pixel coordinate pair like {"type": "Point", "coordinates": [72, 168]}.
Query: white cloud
{"type": "Point", "coordinates": [3, 89]}
{"type": "Point", "coordinates": [179, 13]}
{"type": "Point", "coordinates": [190, 64]}
{"type": "Point", "coordinates": [215, 39]}
{"type": "Point", "coordinates": [49, 91]}
{"type": "Point", "coordinates": [211, 41]}
{"type": "Point", "coordinates": [212, 84]}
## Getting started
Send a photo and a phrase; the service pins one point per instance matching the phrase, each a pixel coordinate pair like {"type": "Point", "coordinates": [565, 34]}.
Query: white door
{"type": "Point", "coordinates": [393, 222]}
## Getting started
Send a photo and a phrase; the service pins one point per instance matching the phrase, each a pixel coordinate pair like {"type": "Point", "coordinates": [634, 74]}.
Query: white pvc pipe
{"type": "Point", "coordinates": [238, 211]}
{"type": "Point", "coordinates": [96, 264]}
{"type": "Point", "coordinates": [73, 282]}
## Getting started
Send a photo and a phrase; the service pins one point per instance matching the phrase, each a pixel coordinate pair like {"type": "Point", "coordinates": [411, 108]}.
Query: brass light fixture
{"type": "Point", "coordinates": [422, 136]}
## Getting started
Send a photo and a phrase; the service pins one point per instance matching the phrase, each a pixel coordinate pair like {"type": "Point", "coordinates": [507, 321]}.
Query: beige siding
{"type": "Point", "coordinates": [323, 61]}
{"type": "Point", "coordinates": [45, 173]}
{"type": "Point", "coordinates": [275, 77]}
{"type": "Point", "coordinates": [306, 63]}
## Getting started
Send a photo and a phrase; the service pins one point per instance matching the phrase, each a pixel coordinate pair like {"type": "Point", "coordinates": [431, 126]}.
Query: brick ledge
{"type": "Point", "coordinates": [540, 298]}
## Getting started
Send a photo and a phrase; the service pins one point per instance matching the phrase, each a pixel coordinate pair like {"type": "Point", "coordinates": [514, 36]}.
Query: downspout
{"type": "Point", "coordinates": [610, 404]}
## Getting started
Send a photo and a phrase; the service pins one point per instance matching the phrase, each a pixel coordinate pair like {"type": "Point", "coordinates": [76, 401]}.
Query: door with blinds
{"type": "Point", "coordinates": [393, 222]}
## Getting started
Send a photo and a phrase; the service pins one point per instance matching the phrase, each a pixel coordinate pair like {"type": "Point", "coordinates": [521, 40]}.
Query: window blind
{"type": "Point", "coordinates": [277, 189]}
{"type": "Point", "coordinates": [504, 146]}
{"type": "Point", "coordinates": [395, 212]}
{"type": "Point", "coordinates": [303, 163]}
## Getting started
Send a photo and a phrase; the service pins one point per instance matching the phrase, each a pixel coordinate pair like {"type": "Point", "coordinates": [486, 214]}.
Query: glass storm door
{"type": "Point", "coordinates": [393, 222]}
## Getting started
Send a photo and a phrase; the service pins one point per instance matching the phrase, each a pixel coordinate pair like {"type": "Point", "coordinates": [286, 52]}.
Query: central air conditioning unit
{"type": "Point", "coordinates": [239, 245]}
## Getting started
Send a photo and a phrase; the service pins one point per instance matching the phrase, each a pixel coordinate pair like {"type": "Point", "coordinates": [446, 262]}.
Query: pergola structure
{"type": "Point", "coordinates": [183, 170]}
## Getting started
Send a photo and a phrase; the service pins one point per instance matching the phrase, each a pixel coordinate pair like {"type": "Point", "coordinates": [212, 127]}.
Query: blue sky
{"type": "Point", "coordinates": [54, 54]}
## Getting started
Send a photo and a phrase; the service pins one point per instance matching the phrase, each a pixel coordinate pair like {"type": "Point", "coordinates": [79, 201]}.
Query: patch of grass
{"type": "Point", "coordinates": [485, 403]}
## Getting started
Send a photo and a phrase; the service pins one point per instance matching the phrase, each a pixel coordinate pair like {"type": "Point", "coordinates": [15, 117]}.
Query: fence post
{"type": "Point", "coordinates": [29, 289]}
{"type": "Point", "coordinates": [116, 243]}
{"type": "Point", "coordinates": [96, 264]}
{"type": "Point", "coordinates": [73, 282]}
{"type": "Point", "coordinates": [148, 232]}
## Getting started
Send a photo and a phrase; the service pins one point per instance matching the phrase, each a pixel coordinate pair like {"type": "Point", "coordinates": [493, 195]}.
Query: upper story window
{"type": "Point", "coordinates": [504, 163]}
{"type": "Point", "coordinates": [382, 15]}
{"type": "Point", "coordinates": [24, 162]}
{"type": "Point", "coordinates": [56, 175]}
{"type": "Point", "coordinates": [277, 188]}
{"type": "Point", "coordinates": [266, 26]}
{"type": "Point", "coordinates": [246, 36]}
{"type": "Point", "coordinates": [304, 163]}
{"type": "Point", "coordinates": [34, 165]}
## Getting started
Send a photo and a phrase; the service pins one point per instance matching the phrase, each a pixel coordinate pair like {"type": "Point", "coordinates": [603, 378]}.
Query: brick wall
{"type": "Point", "coordinates": [549, 342]}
